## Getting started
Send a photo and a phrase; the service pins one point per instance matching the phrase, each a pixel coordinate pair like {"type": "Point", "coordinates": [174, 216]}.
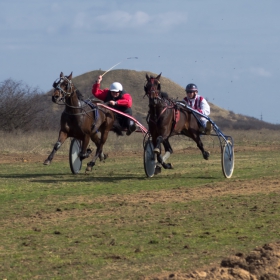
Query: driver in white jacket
{"type": "Point", "coordinates": [199, 104]}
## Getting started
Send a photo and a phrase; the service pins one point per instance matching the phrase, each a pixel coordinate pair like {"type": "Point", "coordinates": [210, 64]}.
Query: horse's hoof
{"type": "Point", "coordinates": [167, 165]}
{"type": "Point", "coordinates": [206, 155]}
{"type": "Point", "coordinates": [88, 169]}
{"type": "Point", "coordinates": [103, 157]}
{"type": "Point", "coordinates": [47, 162]}
{"type": "Point", "coordinates": [157, 170]}
{"type": "Point", "coordinates": [170, 166]}
{"type": "Point", "coordinates": [89, 166]}
{"type": "Point", "coordinates": [157, 151]}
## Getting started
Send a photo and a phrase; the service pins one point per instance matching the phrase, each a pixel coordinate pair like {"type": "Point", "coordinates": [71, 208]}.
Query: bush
{"type": "Point", "coordinates": [21, 107]}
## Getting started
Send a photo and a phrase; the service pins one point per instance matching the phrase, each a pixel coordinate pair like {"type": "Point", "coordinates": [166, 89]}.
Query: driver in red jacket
{"type": "Point", "coordinates": [118, 99]}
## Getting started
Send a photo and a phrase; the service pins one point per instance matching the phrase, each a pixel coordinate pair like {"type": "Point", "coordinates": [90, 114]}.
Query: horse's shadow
{"type": "Point", "coordinates": [86, 179]}
{"type": "Point", "coordinates": [114, 179]}
{"type": "Point", "coordinates": [82, 177]}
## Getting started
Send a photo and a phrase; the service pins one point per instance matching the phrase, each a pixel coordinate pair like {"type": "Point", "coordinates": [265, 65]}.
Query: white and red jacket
{"type": "Point", "coordinates": [199, 104]}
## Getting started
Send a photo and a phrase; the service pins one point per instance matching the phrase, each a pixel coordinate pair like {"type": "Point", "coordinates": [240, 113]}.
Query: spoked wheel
{"type": "Point", "coordinates": [149, 159]}
{"type": "Point", "coordinates": [228, 159]}
{"type": "Point", "coordinates": [74, 159]}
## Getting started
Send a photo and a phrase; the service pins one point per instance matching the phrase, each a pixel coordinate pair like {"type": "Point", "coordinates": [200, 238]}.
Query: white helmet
{"type": "Point", "coordinates": [116, 87]}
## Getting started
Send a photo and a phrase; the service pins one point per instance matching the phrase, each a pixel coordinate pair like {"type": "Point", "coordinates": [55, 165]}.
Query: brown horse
{"type": "Point", "coordinates": [167, 118]}
{"type": "Point", "coordinates": [81, 120]}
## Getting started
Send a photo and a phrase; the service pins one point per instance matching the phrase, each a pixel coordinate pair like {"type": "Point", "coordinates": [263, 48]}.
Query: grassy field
{"type": "Point", "coordinates": [117, 224]}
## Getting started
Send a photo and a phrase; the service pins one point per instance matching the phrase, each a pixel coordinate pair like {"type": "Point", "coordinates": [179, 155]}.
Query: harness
{"type": "Point", "coordinates": [154, 93]}
{"type": "Point", "coordinates": [70, 89]}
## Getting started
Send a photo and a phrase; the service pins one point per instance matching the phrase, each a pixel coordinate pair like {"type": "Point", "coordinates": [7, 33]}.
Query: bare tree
{"type": "Point", "coordinates": [20, 106]}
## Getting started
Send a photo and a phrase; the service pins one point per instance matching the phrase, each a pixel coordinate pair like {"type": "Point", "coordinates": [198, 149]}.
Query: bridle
{"type": "Point", "coordinates": [154, 91]}
{"type": "Point", "coordinates": [69, 88]}
{"type": "Point", "coordinates": [67, 91]}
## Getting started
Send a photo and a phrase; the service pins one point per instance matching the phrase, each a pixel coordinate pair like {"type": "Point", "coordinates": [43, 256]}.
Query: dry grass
{"type": "Point", "coordinates": [42, 142]}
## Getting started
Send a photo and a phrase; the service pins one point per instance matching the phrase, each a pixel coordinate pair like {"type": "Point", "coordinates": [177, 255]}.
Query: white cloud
{"type": "Point", "coordinates": [81, 21]}
{"type": "Point", "coordinates": [114, 20]}
{"type": "Point", "coordinates": [170, 19]}
{"type": "Point", "coordinates": [124, 20]}
{"type": "Point", "coordinates": [141, 18]}
{"type": "Point", "coordinates": [259, 71]}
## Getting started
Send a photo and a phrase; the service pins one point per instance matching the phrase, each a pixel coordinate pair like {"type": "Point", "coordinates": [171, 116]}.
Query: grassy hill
{"type": "Point", "coordinates": [134, 81]}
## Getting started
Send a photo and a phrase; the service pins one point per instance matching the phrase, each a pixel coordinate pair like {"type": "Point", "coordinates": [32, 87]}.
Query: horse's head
{"type": "Point", "coordinates": [63, 88]}
{"type": "Point", "coordinates": [152, 87]}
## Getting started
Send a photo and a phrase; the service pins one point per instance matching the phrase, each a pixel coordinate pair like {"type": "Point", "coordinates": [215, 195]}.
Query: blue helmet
{"type": "Point", "coordinates": [191, 87]}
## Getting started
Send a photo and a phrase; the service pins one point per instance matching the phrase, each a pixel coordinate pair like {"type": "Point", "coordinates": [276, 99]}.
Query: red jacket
{"type": "Point", "coordinates": [124, 99]}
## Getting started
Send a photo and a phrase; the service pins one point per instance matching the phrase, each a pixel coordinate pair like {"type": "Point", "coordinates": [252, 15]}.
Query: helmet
{"type": "Point", "coordinates": [192, 87]}
{"type": "Point", "coordinates": [116, 87]}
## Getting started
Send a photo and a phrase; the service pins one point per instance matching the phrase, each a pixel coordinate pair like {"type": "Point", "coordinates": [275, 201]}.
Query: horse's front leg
{"type": "Point", "coordinates": [84, 153]}
{"type": "Point", "coordinates": [157, 146]}
{"type": "Point", "coordinates": [168, 152]}
{"type": "Point", "coordinates": [61, 139]}
{"type": "Point", "coordinates": [162, 159]}
{"type": "Point", "coordinates": [96, 140]}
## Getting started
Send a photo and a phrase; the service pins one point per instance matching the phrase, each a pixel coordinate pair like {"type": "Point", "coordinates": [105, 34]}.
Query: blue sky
{"type": "Point", "coordinates": [229, 48]}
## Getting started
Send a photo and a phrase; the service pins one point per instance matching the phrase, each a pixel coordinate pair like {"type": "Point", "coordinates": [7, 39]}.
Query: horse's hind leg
{"type": "Point", "coordinates": [96, 140]}
{"type": "Point", "coordinates": [99, 150]}
{"type": "Point", "coordinates": [61, 139]}
{"type": "Point", "coordinates": [199, 144]}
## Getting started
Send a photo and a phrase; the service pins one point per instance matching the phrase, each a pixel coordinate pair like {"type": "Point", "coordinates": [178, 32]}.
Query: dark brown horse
{"type": "Point", "coordinates": [167, 118]}
{"type": "Point", "coordinates": [81, 120]}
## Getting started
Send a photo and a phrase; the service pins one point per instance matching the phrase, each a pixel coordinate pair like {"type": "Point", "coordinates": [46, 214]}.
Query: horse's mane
{"type": "Point", "coordinates": [79, 95]}
{"type": "Point", "coordinates": [164, 95]}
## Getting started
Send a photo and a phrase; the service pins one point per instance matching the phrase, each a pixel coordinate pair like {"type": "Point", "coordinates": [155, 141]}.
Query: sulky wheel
{"type": "Point", "coordinates": [74, 158]}
{"type": "Point", "coordinates": [149, 159]}
{"type": "Point", "coordinates": [228, 159]}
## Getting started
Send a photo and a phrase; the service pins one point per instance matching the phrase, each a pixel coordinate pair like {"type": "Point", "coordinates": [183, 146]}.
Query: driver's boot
{"type": "Point", "coordinates": [208, 128]}
{"type": "Point", "coordinates": [131, 127]}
